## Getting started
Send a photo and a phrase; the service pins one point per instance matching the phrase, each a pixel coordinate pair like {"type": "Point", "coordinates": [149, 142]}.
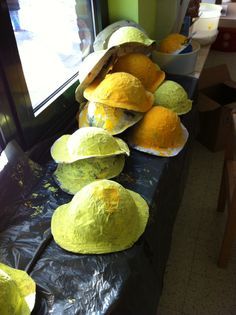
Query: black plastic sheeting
{"type": "Point", "coordinates": [127, 282]}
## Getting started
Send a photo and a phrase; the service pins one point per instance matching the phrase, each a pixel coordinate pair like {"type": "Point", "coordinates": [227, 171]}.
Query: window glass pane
{"type": "Point", "coordinates": [52, 38]}
{"type": "Point", "coordinates": [3, 160]}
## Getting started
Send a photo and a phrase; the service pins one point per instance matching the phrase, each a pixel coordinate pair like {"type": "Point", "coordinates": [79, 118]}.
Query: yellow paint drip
{"type": "Point", "coordinates": [38, 210]}
{"type": "Point", "coordinates": [111, 199]}
{"type": "Point", "coordinates": [49, 187]}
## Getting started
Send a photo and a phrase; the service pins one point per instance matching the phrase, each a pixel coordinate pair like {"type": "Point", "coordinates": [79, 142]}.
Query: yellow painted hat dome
{"type": "Point", "coordinates": [122, 90]}
{"type": "Point", "coordinates": [86, 143]}
{"type": "Point", "coordinates": [142, 67]}
{"type": "Point", "coordinates": [103, 217]}
{"type": "Point", "coordinates": [128, 34]}
{"type": "Point", "coordinates": [71, 177]}
{"type": "Point", "coordinates": [160, 132]}
{"type": "Point", "coordinates": [172, 95]}
{"type": "Point", "coordinates": [114, 120]}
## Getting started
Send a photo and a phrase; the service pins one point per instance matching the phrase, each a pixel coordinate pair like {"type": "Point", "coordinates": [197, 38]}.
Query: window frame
{"type": "Point", "coordinates": [18, 120]}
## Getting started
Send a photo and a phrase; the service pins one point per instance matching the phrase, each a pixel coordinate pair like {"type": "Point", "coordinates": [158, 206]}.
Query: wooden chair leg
{"type": "Point", "coordinates": [222, 193]}
{"type": "Point", "coordinates": [229, 235]}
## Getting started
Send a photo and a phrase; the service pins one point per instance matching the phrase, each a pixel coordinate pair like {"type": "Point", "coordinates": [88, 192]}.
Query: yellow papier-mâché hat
{"type": "Point", "coordinates": [143, 68]}
{"type": "Point", "coordinates": [17, 291]}
{"type": "Point", "coordinates": [103, 217]}
{"type": "Point", "coordinates": [122, 90]}
{"type": "Point", "coordinates": [172, 95]}
{"type": "Point", "coordinates": [86, 143]}
{"type": "Point", "coordinates": [160, 132]}
{"type": "Point", "coordinates": [71, 177]}
{"type": "Point", "coordinates": [114, 120]}
{"type": "Point", "coordinates": [128, 34]}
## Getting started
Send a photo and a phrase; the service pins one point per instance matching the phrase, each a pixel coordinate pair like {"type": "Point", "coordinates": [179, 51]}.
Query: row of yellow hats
{"type": "Point", "coordinates": [120, 99]}
{"type": "Point", "coordinates": [125, 96]}
{"type": "Point", "coordinates": [103, 216]}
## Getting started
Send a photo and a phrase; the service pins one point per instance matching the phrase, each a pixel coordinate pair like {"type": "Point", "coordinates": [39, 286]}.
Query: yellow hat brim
{"type": "Point", "coordinates": [60, 152]}
{"type": "Point", "coordinates": [60, 235]}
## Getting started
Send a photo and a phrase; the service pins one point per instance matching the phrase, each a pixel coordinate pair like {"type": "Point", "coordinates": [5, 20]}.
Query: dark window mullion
{"type": "Point", "coordinates": [15, 88]}
{"type": "Point", "coordinates": [10, 127]}
{"type": "Point", "coordinates": [100, 15]}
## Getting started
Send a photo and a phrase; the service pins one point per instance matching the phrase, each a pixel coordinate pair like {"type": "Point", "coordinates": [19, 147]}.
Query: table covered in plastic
{"type": "Point", "coordinates": [127, 282]}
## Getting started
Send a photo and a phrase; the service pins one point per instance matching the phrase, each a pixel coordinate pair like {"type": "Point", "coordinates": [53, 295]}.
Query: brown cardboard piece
{"type": "Point", "coordinates": [214, 75]}
{"type": "Point", "coordinates": [216, 99]}
{"type": "Point", "coordinates": [213, 81]}
{"type": "Point", "coordinates": [229, 20]}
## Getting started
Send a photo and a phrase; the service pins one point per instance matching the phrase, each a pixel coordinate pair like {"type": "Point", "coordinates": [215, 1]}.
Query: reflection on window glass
{"type": "Point", "coordinates": [3, 160]}
{"type": "Point", "coordinates": [52, 38]}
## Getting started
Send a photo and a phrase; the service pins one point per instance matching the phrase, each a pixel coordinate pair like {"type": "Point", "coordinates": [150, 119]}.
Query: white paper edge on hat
{"type": "Point", "coordinates": [165, 152]}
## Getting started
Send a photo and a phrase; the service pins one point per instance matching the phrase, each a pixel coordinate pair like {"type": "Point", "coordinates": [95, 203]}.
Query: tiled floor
{"type": "Point", "coordinates": [193, 284]}
{"type": "Point", "coordinates": [218, 57]}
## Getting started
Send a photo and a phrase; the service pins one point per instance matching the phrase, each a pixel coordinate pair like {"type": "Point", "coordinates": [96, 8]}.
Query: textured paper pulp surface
{"type": "Point", "coordinates": [25, 285]}
{"type": "Point", "coordinates": [126, 282]}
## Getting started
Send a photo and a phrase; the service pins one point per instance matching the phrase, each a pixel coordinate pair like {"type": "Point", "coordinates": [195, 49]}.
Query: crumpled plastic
{"type": "Point", "coordinates": [83, 284]}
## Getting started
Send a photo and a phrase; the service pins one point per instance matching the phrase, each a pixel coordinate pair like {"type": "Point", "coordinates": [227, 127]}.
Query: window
{"type": "Point", "coordinates": [50, 51]}
{"type": "Point", "coordinates": [42, 45]}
